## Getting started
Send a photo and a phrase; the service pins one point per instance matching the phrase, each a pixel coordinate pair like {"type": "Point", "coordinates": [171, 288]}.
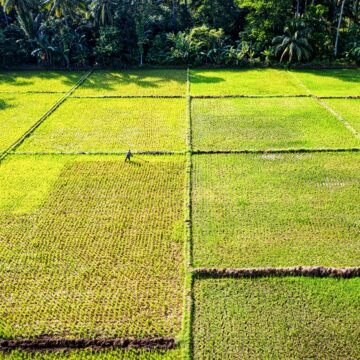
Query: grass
{"type": "Point", "coordinates": [134, 83]}
{"type": "Point", "coordinates": [349, 109]}
{"type": "Point", "coordinates": [243, 82]}
{"type": "Point", "coordinates": [37, 81]}
{"type": "Point", "coordinates": [99, 255]}
{"type": "Point", "coordinates": [261, 124]}
{"type": "Point", "coordinates": [276, 210]}
{"type": "Point", "coordinates": [276, 318]}
{"type": "Point", "coordinates": [335, 82]}
{"type": "Point", "coordinates": [112, 125]}
{"type": "Point", "coordinates": [19, 112]}
{"type": "Point", "coordinates": [98, 355]}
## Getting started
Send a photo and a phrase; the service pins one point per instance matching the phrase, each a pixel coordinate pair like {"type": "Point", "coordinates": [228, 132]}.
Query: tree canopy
{"type": "Point", "coordinates": [198, 32]}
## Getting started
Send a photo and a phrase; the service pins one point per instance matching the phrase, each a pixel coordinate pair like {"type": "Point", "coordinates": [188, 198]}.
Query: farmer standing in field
{"type": "Point", "coordinates": [128, 156]}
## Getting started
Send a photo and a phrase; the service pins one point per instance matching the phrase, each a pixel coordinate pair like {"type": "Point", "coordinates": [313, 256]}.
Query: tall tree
{"type": "Point", "coordinates": [64, 8]}
{"type": "Point", "coordinates": [103, 11]}
{"type": "Point", "coordinates": [22, 7]}
{"type": "Point", "coordinates": [338, 28]}
{"type": "Point", "coordinates": [293, 44]}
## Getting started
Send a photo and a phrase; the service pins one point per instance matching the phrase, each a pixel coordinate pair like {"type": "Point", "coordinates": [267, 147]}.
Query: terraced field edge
{"type": "Point", "coordinates": [308, 271]}
{"type": "Point", "coordinates": [46, 343]}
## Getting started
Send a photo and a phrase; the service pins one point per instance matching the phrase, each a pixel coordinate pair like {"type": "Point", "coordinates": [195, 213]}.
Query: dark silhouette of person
{"type": "Point", "coordinates": [128, 156]}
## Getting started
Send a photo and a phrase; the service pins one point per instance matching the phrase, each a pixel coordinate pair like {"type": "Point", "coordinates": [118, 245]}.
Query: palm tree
{"type": "Point", "coordinates": [64, 8]}
{"type": "Point", "coordinates": [22, 7]}
{"type": "Point", "coordinates": [103, 11]}
{"type": "Point", "coordinates": [293, 44]}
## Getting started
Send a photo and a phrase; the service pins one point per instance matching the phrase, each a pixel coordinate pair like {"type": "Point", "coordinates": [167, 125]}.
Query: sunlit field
{"type": "Point", "coordinates": [242, 171]}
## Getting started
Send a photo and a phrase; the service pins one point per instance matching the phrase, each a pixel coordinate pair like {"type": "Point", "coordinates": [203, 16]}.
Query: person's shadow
{"type": "Point", "coordinates": [133, 163]}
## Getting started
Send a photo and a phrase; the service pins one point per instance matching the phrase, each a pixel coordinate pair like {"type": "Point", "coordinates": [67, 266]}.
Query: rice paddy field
{"type": "Point", "coordinates": [233, 171]}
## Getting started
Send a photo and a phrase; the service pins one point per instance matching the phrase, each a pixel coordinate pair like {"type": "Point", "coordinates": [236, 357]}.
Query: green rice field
{"type": "Point", "coordinates": [263, 124]}
{"type": "Point", "coordinates": [19, 112]}
{"type": "Point", "coordinates": [276, 210]}
{"type": "Point", "coordinates": [348, 109]}
{"type": "Point", "coordinates": [291, 318]}
{"type": "Point", "coordinates": [341, 82]}
{"type": "Point", "coordinates": [38, 82]}
{"type": "Point", "coordinates": [232, 169]}
{"type": "Point", "coordinates": [106, 125]}
{"type": "Point", "coordinates": [134, 83]}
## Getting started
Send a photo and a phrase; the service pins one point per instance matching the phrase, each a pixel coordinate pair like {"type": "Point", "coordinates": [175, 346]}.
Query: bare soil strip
{"type": "Point", "coordinates": [309, 271]}
{"type": "Point", "coordinates": [47, 343]}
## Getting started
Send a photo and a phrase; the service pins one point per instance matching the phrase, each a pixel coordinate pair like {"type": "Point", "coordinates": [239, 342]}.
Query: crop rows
{"type": "Point", "coordinates": [92, 247]}
{"type": "Point", "coordinates": [276, 210]}
{"type": "Point", "coordinates": [100, 125]}
{"type": "Point", "coordinates": [134, 83]}
{"type": "Point", "coordinates": [276, 318]}
{"type": "Point", "coordinates": [95, 354]}
{"type": "Point", "coordinates": [101, 256]}
{"type": "Point", "coordinates": [262, 124]}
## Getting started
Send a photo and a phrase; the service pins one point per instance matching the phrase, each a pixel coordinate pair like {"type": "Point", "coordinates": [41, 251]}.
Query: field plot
{"type": "Point", "coordinates": [349, 109]}
{"type": "Point", "coordinates": [243, 82]}
{"type": "Point", "coordinates": [112, 125]}
{"type": "Point", "coordinates": [19, 112]}
{"type": "Point", "coordinates": [134, 83]}
{"type": "Point", "coordinates": [92, 355]}
{"type": "Point", "coordinates": [262, 124]}
{"type": "Point", "coordinates": [277, 318]}
{"type": "Point", "coordinates": [340, 82]}
{"type": "Point", "coordinates": [276, 210]}
{"type": "Point", "coordinates": [98, 254]}
{"type": "Point", "coordinates": [38, 81]}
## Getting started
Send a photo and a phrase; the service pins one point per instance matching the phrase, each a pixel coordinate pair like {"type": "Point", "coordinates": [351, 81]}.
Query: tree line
{"type": "Point", "coordinates": [178, 32]}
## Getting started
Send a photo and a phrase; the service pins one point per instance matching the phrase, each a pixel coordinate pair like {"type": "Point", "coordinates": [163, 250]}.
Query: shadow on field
{"type": "Point", "coordinates": [200, 79]}
{"type": "Point", "coordinates": [134, 163]}
{"type": "Point", "coordinates": [5, 105]}
{"type": "Point", "coordinates": [110, 80]}
{"type": "Point", "coordinates": [345, 75]}
{"type": "Point", "coordinates": [20, 79]}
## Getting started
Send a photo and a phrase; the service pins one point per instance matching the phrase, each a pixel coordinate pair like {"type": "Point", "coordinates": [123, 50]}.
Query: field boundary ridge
{"type": "Point", "coordinates": [47, 343]}
{"type": "Point", "coordinates": [128, 97]}
{"type": "Point", "coordinates": [276, 151]}
{"type": "Point", "coordinates": [307, 271]}
{"type": "Point", "coordinates": [19, 141]}
{"type": "Point", "coordinates": [249, 96]}
{"type": "Point", "coordinates": [32, 92]}
{"type": "Point", "coordinates": [105, 153]}
{"type": "Point", "coordinates": [186, 337]}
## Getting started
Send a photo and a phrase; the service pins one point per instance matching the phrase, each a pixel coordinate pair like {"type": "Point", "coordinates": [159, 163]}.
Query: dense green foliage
{"type": "Point", "coordinates": [276, 210]}
{"type": "Point", "coordinates": [231, 32]}
{"type": "Point", "coordinates": [276, 318]}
